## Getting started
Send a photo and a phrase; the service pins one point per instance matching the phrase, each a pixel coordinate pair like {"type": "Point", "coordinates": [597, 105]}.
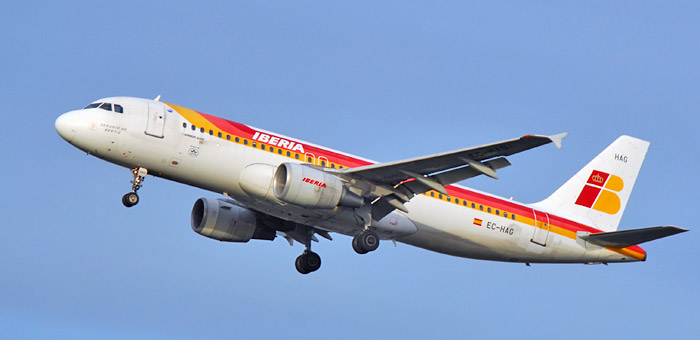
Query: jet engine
{"type": "Point", "coordinates": [308, 187]}
{"type": "Point", "coordinates": [224, 220]}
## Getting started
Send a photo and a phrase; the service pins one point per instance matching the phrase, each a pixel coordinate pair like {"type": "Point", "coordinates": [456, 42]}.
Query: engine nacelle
{"type": "Point", "coordinates": [307, 187]}
{"type": "Point", "coordinates": [223, 220]}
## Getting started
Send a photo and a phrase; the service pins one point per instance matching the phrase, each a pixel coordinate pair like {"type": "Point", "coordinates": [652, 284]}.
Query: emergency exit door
{"type": "Point", "coordinates": [541, 228]}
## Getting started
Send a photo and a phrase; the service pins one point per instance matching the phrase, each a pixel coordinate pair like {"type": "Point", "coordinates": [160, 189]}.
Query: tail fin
{"type": "Point", "coordinates": [599, 192]}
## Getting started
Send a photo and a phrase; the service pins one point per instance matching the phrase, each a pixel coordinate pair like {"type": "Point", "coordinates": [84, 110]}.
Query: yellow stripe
{"type": "Point", "coordinates": [530, 221]}
{"type": "Point", "coordinates": [192, 116]}
{"type": "Point", "coordinates": [198, 120]}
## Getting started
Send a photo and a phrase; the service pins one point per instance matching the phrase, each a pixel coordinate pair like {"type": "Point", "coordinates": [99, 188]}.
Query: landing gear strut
{"type": "Point", "coordinates": [365, 242]}
{"type": "Point", "coordinates": [131, 199]}
{"type": "Point", "coordinates": [308, 261]}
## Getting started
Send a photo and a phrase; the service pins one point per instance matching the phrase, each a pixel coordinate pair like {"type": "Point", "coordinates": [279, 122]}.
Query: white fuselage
{"type": "Point", "coordinates": [161, 139]}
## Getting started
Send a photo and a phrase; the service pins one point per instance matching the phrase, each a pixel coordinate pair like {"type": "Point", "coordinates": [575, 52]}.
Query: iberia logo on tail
{"type": "Point", "coordinates": [599, 192]}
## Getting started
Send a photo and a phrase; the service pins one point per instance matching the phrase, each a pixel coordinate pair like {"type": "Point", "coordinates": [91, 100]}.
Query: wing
{"type": "Point", "coordinates": [390, 185]}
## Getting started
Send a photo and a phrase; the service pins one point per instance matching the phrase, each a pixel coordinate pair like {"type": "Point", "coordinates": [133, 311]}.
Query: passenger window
{"type": "Point", "coordinates": [272, 149]}
{"type": "Point", "coordinates": [184, 125]}
{"type": "Point", "coordinates": [201, 130]}
{"type": "Point", "coordinates": [211, 132]}
{"type": "Point", "coordinates": [238, 140]}
{"type": "Point", "coordinates": [118, 108]}
{"type": "Point", "coordinates": [262, 146]}
{"type": "Point", "coordinates": [194, 128]}
{"type": "Point", "coordinates": [92, 106]}
{"type": "Point", "coordinates": [296, 156]}
{"type": "Point", "coordinates": [219, 134]}
{"type": "Point", "coordinates": [106, 106]}
{"type": "Point", "coordinates": [228, 137]}
{"type": "Point", "coordinates": [289, 153]}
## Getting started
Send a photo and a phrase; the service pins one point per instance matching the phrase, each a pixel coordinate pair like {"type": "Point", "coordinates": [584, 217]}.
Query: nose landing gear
{"type": "Point", "coordinates": [131, 199]}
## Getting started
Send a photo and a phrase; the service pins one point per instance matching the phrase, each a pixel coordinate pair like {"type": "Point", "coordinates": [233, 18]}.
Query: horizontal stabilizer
{"type": "Point", "coordinates": [627, 238]}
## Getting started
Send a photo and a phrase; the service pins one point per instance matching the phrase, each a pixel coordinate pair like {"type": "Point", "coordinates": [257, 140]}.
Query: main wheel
{"type": "Point", "coordinates": [130, 199]}
{"type": "Point", "coordinates": [368, 240]}
{"type": "Point", "coordinates": [356, 245]}
{"type": "Point", "coordinates": [308, 262]}
{"type": "Point", "coordinates": [312, 261]}
{"type": "Point", "coordinates": [299, 263]}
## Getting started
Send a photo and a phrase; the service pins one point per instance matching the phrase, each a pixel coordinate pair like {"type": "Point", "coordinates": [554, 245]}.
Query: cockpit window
{"type": "Point", "coordinates": [106, 106]}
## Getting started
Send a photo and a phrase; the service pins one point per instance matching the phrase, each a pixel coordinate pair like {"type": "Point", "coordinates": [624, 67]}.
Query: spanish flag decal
{"type": "Point", "coordinates": [599, 192]}
{"type": "Point", "coordinates": [477, 222]}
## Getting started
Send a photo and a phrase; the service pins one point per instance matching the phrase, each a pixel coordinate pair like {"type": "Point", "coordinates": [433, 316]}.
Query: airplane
{"type": "Point", "coordinates": [274, 185]}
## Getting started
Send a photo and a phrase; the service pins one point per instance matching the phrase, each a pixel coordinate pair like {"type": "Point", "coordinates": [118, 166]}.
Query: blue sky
{"type": "Point", "coordinates": [386, 81]}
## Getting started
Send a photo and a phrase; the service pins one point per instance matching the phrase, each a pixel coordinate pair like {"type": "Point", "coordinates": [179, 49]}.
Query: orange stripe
{"type": "Point", "coordinates": [522, 214]}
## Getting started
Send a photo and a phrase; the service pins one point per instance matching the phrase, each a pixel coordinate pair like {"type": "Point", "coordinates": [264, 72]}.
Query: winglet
{"type": "Point", "coordinates": [556, 139]}
{"type": "Point", "coordinates": [157, 98]}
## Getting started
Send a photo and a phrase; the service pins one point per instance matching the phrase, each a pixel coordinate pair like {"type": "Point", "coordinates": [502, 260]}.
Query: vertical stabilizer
{"type": "Point", "coordinates": [599, 192]}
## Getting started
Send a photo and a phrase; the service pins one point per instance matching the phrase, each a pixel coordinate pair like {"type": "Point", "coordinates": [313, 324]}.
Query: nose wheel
{"type": "Point", "coordinates": [131, 199]}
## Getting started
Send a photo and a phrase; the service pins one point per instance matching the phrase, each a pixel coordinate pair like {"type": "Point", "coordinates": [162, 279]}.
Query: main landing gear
{"type": "Point", "coordinates": [365, 242]}
{"type": "Point", "coordinates": [131, 199]}
{"type": "Point", "coordinates": [308, 262]}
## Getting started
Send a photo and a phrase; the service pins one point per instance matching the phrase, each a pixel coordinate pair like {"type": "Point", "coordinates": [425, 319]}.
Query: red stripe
{"type": "Point", "coordinates": [245, 131]}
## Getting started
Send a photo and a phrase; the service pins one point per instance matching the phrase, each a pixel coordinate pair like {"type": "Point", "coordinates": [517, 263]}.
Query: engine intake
{"type": "Point", "coordinates": [307, 187]}
{"type": "Point", "coordinates": [223, 220]}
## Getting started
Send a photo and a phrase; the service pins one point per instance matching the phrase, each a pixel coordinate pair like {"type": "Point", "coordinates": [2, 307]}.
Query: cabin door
{"type": "Point", "coordinates": [156, 120]}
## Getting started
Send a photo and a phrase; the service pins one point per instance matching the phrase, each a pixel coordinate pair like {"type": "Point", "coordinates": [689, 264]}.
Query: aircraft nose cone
{"type": "Point", "coordinates": [66, 126]}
